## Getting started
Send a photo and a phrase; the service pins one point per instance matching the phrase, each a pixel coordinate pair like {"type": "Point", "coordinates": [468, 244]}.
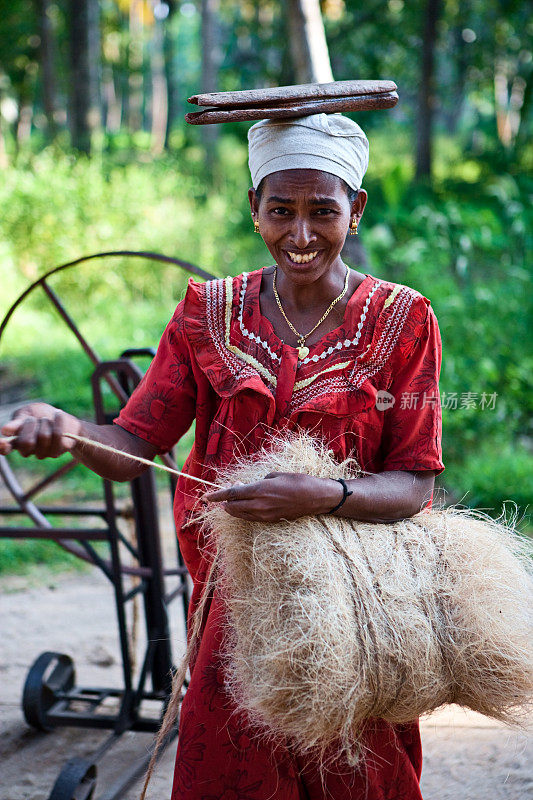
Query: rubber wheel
{"type": "Point", "coordinates": [76, 781]}
{"type": "Point", "coordinates": [49, 676]}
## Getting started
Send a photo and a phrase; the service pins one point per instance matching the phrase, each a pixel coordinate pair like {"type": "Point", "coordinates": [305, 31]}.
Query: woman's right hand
{"type": "Point", "coordinates": [40, 431]}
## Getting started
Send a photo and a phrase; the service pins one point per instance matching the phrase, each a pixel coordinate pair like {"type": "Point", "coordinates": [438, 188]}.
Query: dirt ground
{"type": "Point", "coordinates": [466, 756]}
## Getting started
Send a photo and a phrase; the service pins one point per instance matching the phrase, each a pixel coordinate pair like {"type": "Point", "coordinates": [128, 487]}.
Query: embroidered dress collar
{"type": "Point", "coordinates": [237, 348]}
{"type": "Point", "coordinates": [335, 340]}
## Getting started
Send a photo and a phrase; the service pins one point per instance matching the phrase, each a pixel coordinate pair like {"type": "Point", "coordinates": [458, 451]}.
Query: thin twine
{"type": "Point", "coordinates": [141, 460]}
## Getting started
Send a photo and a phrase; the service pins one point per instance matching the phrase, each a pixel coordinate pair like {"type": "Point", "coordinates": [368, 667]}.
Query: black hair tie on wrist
{"type": "Point", "coordinates": [345, 494]}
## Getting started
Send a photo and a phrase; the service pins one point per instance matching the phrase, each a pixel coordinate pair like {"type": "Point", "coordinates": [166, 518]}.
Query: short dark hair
{"type": "Point", "coordinates": [352, 193]}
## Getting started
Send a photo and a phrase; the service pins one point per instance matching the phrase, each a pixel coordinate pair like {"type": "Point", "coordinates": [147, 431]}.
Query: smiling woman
{"type": "Point", "coordinates": [303, 216]}
{"type": "Point", "coordinates": [306, 343]}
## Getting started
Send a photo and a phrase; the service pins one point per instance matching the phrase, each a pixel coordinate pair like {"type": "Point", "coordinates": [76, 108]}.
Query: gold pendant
{"type": "Point", "coordinates": [303, 352]}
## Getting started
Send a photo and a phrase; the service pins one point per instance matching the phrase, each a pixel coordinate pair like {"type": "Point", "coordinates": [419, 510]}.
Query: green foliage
{"type": "Point", "coordinates": [477, 42]}
{"type": "Point", "coordinates": [19, 47]}
{"type": "Point", "coordinates": [464, 246]}
{"type": "Point", "coordinates": [56, 208]}
{"type": "Point", "coordinates": [495, 472]}
{"type": "Point", "coordinates": [23, 556]}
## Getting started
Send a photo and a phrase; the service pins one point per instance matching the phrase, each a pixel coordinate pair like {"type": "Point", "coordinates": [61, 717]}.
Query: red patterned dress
{"type": "Point", "coordinates": [220, 362]}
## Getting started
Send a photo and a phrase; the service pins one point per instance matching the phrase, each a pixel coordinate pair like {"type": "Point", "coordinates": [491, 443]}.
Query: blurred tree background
{"type": "Point", "coordinates": [95, 155]}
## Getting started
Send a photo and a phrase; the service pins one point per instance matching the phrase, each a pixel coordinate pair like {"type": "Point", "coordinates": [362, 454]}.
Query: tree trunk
{"type": "Point", "coordinates": [173, 104]}
{"type": "Point", "coordinates": [159, 90]}
{"type": "Point", "coordinates": [95, 65]}
{"type": "Point", "coordinates": [24, 122]}
{"type": "Point", "coordinates": [522, 133]}
{"type": "Point", "coordinates": [4, 161]}
{"type": "Point", "coordinates": [210, 61]}
{"type": "Point", "coordinates": [460, 65]}
{"type": "Point", "coordinates": [509, 97]}
{"type": "Point", "coordinates": [310, 57]}
{"type": "Point", "coordinates": [111, 101]}
{"type": "Point", "coordinates": [135, 66]}
{"type": "Point", "coordinates": [85, 64]}
{"type": "Point", "coordinates": [426, 95]}
{"type": "Point", "coordinates": [47, 64]}
{"type": "Point", "coordinates": [309, 48]}
{"type": "Point", "coordinates": [80, 83]}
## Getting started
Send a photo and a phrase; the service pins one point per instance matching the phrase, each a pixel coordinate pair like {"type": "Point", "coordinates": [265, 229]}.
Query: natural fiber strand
{"type": "Point", "coordinates": [123, 454]}
{"type": "Point", "coordinates": [332, 621]}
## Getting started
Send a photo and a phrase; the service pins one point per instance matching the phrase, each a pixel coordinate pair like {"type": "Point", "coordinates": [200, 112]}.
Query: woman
{"type": "Point", "coordinates": [306, 343]}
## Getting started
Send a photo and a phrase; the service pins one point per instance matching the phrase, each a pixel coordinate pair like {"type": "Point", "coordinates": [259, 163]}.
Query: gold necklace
{"type": "Point", "coordinates": [303, 351]}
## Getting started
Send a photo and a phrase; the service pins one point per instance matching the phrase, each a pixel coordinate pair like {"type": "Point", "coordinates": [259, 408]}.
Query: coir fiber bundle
{"type": "Point", "coordinates": [333, 621]}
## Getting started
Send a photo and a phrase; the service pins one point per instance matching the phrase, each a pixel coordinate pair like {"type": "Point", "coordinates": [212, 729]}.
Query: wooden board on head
{"type": "Point", "coordinates": [284, 102]}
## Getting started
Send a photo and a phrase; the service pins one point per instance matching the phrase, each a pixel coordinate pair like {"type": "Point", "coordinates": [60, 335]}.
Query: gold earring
{"type": "Point", "coordinates": [353, 228]}
{"type": "Point", "coordinates": [256, 226]}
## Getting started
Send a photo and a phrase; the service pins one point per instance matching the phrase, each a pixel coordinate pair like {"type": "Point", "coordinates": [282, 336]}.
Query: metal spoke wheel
{"type": "Point", "coordinates": [116, 528]}
{"type": "Point", "coordinates": [49, 677]}
{"type": "Point", "coordinates": [76, 781]}
{"type": "Point", "coordinates": [27, 497]}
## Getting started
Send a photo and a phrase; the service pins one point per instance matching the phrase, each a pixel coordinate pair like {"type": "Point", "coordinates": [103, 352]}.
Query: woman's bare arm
{"type": "Point", "coordinates": [42, 430]}
{"type": "Point", "coordinates": [387, 496]}
{"type": "Point", "coordinates": [380, 497]}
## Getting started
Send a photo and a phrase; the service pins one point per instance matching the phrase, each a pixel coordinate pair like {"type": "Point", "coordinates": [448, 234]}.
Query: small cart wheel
{"type": "Point", "coordinates": [49, 676]}
{"type": "Point", "coordinates": [76, 781]}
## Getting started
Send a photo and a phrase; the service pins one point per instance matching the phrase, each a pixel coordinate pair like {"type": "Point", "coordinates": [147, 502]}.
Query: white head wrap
{"type": "Point", "coordinates": [328, 142]}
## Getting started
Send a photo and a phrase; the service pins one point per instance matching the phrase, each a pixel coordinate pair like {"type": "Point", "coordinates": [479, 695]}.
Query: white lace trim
{"type": "Point", "coordinates": [388, 339]}
{"type": "Point", "coordinates": [219, 300]}
{"type": "Point", "coordinates": [347, 342]}
{"type": "Point", "coordinates": [339, 345]}
{"type": "Point", "coordinates": [324, 383]}
{"type": "Point", "coordinates": [244, 330]}
{"type": "Point", "coordinates": [249, 359]}
{"type": "Point", "coordinates": [214, 293]}
{"type": "Point", "coordinates": [328, 386]}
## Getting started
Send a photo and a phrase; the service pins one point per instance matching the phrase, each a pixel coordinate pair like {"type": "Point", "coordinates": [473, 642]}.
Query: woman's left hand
{"type": "Point", "coordinates": [280, 495]}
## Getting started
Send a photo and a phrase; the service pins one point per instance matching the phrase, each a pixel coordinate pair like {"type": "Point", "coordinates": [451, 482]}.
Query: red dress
{"type": "Point", "coordinates": [221, 363]}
